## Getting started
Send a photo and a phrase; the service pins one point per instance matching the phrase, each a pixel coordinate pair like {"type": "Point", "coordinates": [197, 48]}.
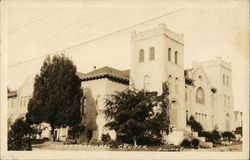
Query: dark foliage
{"type": "Point", "coordinates": [137, 115]}
{"type": "Point", "coordinates": [238, 130]}
{"type": "Point", "coordinates": [207, 135]}
{"type": "Point", "coordinates": [195, 143]}
{"type": "Point", "coordinates": [105, 137]}
{"type": "Point", "coordinates": [186, 143]}
{"type": "Point", "coordinates": [19, 135]}
{"type": "Point", "coordinates": [195, 126]}
{"type": "Point", "coordinates": [215, 136]}
{"type": "Point", "coordinates": [57, 94]}
{"type": "Point", "coordinates": [228, 135]}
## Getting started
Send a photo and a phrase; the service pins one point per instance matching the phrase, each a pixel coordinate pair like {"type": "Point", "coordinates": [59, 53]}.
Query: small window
{"type": "Point", "coordinates": [141, 55]}
{"type": "Point", "coordinates": [200, 95]}
{"type": "Point", "coordinates": [169, 54]}
{"type": "Point", "coordinates": [152, 53]}
{"type": "Point", "coordinates": [200, 78]}
{"type": "Point", "coordinates": [176, 57]}
{"type": "Point", "coordinates": [227, 81]}
{"type": "Point", "coordinates": [176, 85]}
{"type": "Point", "coordinates": [146, 82]}
{"type": "Point", "coordinates": [170, 83]}
{"type": "Point", "coordinates": [224, 79]}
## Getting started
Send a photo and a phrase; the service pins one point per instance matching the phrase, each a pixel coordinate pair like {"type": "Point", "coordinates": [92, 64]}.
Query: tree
{"type": "Point", "coordinates": [57, 94]}
{"type": "Point", "coordinates": [138, 114]}
{"type": "Point", "coordinates": [19, 135]}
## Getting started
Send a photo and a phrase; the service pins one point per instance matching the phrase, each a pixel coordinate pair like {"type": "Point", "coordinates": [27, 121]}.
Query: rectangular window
{"type": "Point", "coordinates": [227, 81]}
{"type": "Point", "coordinates": [224, 77]}
{"type": "Point", "coordinates": [225, 101]}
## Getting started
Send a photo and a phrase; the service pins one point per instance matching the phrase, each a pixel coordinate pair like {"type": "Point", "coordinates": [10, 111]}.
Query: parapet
{"type": "Point", "coordinates": [160, 30]}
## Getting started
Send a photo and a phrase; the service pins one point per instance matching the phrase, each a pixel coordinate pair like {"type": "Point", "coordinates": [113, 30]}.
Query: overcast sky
{"type": "Point", "coordinates": [211, 29]}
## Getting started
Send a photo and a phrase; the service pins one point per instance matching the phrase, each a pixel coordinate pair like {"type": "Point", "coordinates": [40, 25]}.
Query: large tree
{"type": "Point", "coordinates": [57, 94]}
{"type": "Point", "coordinates": [138, 115]}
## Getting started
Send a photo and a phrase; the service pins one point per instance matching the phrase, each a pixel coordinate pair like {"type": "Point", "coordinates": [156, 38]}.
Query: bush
{"type": "Point", "coordinates": [238, 130]}
{"type": "Point", "coordinates": [105, 137]}
{"type": "Point", "coordinates": [19, 135]}
{"type": "Point", "coordinates": [228, 135]}
{"type": "Point", "coordinates": [215, 136]}
{"type": "Point", "coordinates": [207, 135]}
{"type": "Point", "coordinates": [186, 143]}
{"type": "Point", "coordinates": [195, 126]}
{"type": "Point", "coordinates": [195, 143]}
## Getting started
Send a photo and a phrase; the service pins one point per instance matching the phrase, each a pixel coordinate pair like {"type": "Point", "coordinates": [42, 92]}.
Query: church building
{"type": "Point", "coordinates": [157, 55]}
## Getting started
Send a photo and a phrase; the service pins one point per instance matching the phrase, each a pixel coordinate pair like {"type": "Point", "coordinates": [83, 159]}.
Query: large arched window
{"type": "Point", "coordinates": [176, 57]}
{"type": "Point", "coordinates": [141, 55]}
{"type": "Point", "coordinates": [200, 95]}
{"type": "Point", "coordinates": [146, 82]}
{"type": "Point", "coordinates": [152, 53]}
{"type": "Point", "coordinates": [169, 54]}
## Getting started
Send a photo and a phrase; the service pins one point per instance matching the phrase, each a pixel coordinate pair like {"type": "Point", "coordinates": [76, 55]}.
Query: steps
{"type": "Point", "coordinates": [178, 134]}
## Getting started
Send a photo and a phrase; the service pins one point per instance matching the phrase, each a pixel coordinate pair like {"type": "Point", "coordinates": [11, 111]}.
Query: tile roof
{"type": "Point", "coordinates": [106, 72]}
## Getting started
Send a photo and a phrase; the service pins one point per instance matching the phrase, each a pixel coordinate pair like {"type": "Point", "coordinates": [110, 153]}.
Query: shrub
{"type": "Point", "coordinates": [207, 135]}
{"type": "Point", "coordinates": [19, 135]}
{"type": "Point", "coordinates": [215, 136]}
{"type": "Point", "coordinates": [195, 126]}
{"type": "Point", "coordinates": [195, 143]}
{"type": "Point", "coordinates": [228, 135]}
{"type": "Point", "coordinates": [105, 137]}
{"type": "Point", "coordinates": [186, 143]}
{"type": "Point", "coordinates": [238, 130]}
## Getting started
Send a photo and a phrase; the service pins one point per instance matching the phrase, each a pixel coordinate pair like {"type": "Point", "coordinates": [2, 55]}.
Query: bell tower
{"type": "Point", "coordinates": [157, 57]}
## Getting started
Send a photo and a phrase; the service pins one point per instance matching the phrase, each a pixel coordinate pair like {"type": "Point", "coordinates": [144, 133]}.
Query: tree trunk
{"type": "Point", "coordinates": [134, 139]}
{"type": "Point", "coordinates": [52, 133]}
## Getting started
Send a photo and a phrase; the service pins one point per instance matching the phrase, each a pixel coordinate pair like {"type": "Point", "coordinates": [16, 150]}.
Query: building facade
{"type": "Point", "coordinates": [157, 55]}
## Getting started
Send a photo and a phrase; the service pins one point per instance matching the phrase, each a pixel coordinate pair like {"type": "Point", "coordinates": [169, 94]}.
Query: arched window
{"type": "Point", "coordinates": [169, 54]}
{"type": "Point", "coordinates": [176, 57]}
{"type": "Point", "coordinates": [176, 85]}
{"type": "Point", "coordinates": [200, 95]}
{"type": "Point", "coordinates": [152, 53]}
{"type": "Point", "coordinates": [170, 83]}
{"type": "Point", "coordinates": [146, 82]}
{"type": "Point", "coordinates": [141, 55]}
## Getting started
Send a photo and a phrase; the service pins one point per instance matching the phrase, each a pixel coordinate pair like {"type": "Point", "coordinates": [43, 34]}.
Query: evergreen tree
{"type": "Point", "coordinates": [138, 115]}
{"type": "Point", "coordinates": [57, 94]}
{"type": "Point", "coordinates": [19, 135]}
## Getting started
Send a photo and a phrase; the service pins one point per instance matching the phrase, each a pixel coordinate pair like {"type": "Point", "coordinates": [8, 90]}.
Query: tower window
{"type": "Point", "coordinates": [152, 53]}
{"type": "Point", "coordinates": [169, 54]}
{"type": "Point", "coordinates": [176, 57]}
{"type": "Point", "coordinates": [170, 83]}
{"type": "Point", "coordinates": [146, 82]}
{"type": "Point", "coordinates": [176, 85]}
{"type": "Point", "coordinates": [141, 55]}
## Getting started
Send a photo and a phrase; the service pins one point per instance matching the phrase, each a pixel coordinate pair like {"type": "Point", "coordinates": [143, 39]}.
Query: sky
{"type": "Point", "coordinates": [211, 29]}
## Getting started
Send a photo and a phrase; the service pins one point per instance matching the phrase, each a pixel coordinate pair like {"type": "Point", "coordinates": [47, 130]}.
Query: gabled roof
{"type": "Point", "coordinates": [106, 72]}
